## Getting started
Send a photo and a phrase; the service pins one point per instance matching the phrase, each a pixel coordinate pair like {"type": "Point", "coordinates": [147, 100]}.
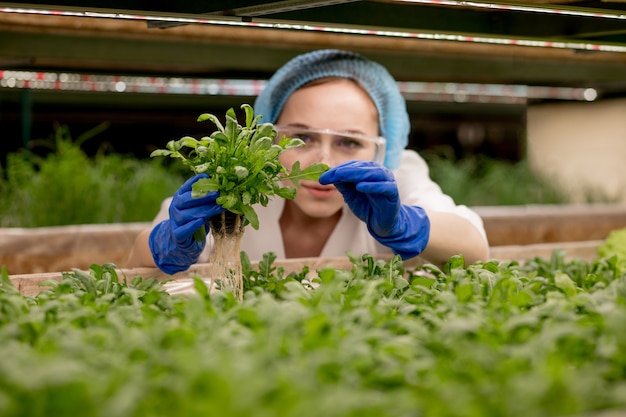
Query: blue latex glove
{"type": "Point", "coordinates": [172, 242]}
{"type": "Point", "coordinates": [371, 192]}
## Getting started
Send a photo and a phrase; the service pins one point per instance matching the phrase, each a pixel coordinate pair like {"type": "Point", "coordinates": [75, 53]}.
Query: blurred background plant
{"type": "Point", "coordinates": [478, 180]}
{"type": "Point", "coordinates": [66, 186]}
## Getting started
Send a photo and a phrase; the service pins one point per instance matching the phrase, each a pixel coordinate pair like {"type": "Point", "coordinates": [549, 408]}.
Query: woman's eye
{"type": "Point", "coordinates": [347, 143]}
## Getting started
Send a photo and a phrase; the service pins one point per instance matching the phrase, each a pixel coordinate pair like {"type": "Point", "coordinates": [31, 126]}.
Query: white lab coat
{"type": "Point", "coordinates": [415, 187]}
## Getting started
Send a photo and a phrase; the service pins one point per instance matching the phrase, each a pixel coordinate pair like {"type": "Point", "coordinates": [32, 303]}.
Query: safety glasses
{"type": "Point", "coordinates": [340, 146]}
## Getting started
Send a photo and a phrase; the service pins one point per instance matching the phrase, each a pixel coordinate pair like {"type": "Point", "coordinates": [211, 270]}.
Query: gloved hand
{"type": "Point", "coordinates": [172, 241]}
{"type": "Point", "coordinates": [371, 192]}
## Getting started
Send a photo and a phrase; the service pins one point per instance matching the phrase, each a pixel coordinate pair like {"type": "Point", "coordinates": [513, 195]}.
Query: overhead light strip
{"type": "Point", "coordinates": [285, 6]}
{"type": "Point", "coordinates": [413, 91]}
{"type": "Point", "coordinates": [595, 13]}
{"type": "Point", "coordinates": [274, 24]}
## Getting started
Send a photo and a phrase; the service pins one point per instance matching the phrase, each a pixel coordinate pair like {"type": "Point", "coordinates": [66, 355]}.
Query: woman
{"type": "Point", "coordinates": [376, 198]}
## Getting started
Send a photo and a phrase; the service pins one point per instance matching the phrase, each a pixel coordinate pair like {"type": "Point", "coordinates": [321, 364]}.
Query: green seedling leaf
{"type": "Point", "coordinates": [265, 129]}
{"type": "Point", "coordinates": [286, 192]}
{"type": "Point", "coordinates": [161, 152]}
{"type": "Point", "coordinates": [200, 286]}
{"type": "Point", "coordinates": [565, 283]}
{"type": "Point", "coordinates": [266, 267]}
{"type": "Point", "coordinates": [187, 142]}
{"type": "Point", "coordinates": [204, 186]}
{"type": "Point", "coordinates": [241, 172]}
{"type": "Point", "coordinates": [312, 172]}
{"type": "Point", "coordinates": [6, 283]}
{"type": "Point", "coordinates": [251, 216]}
{"type": "Point", "coordinates": [261, 144]}
{"type": "Point", "coordinates": [201, 168]}
{"type": "Point", "coordinates": [249, 114]}
{"type": "Point", "coordinates": [207, 116]}
{"type": "Point", "coordinates": [86, 280]}
{"type": "Point", "coordinates": [290, 143]}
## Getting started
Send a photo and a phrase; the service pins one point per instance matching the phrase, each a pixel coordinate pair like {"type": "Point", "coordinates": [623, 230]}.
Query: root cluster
{"type": "Point", "coordinates": [227, 230]}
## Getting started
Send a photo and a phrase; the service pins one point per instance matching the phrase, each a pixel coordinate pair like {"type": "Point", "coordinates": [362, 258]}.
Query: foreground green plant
{"type": "Point", "coordinates": [541, 338]}
{"type": "Point", "coordinates": [615, 244]}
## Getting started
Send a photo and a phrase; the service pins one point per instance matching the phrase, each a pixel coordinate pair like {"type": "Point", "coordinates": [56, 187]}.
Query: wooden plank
{"type": "Point", "coordinates": [524, 225]}
{"type": "Point", "coordinates": [40, 250]}
{"type": "Point", "coordinates": [585, 250]}
{"type": "Point", "coordinates": [59, 248]}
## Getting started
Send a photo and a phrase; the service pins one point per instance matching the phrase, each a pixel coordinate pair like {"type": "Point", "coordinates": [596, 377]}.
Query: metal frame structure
{"type": "Point", "coordinates": [562, 43]}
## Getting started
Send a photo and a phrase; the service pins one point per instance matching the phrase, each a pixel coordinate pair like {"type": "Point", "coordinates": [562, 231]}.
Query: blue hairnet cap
{"type": "Point", "coordinates": [371, 76]}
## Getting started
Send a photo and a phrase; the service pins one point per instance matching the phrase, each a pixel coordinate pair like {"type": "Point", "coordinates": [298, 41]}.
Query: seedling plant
{"type": "Point", "coordinates": [243, 165]}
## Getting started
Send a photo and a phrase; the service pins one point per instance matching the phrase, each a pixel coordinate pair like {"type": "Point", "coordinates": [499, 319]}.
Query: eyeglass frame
{"type": "Point", "coordinates": [379, 141]}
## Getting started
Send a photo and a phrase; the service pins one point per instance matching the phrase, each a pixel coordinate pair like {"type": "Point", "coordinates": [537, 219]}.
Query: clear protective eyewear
{"type": "Point", "coordinates": [344, 146]}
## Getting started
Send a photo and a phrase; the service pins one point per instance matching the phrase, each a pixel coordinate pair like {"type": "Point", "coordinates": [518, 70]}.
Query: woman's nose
{"type": "Point", "coordinates": [326, 155]}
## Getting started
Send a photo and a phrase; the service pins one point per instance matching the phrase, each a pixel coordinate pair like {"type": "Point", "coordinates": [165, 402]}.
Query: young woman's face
{"type": "Point", "coordinates": [327, 108]}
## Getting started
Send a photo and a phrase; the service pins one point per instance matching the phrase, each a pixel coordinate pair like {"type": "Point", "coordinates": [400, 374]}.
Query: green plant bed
{"type": "Point", "coordinates": [540, 338]}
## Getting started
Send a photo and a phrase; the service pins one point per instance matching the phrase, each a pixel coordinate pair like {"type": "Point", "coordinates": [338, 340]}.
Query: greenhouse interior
{"type": "Point", "coordinates": [517, 109]}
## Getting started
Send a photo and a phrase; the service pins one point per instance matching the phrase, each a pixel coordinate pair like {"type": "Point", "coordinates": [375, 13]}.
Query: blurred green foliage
{"type": "Point", "coordinates": [66, 186]}
{"type": "Point", "coordinates": [482, 181]}
{"type": "Point", "coordinates": [541, 338]}
{"type": "Point", "coordinates": [615, 244]}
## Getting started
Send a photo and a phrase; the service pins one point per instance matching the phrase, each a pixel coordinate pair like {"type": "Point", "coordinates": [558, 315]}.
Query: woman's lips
{"type": "Point", "coordinates": [319, 191]}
